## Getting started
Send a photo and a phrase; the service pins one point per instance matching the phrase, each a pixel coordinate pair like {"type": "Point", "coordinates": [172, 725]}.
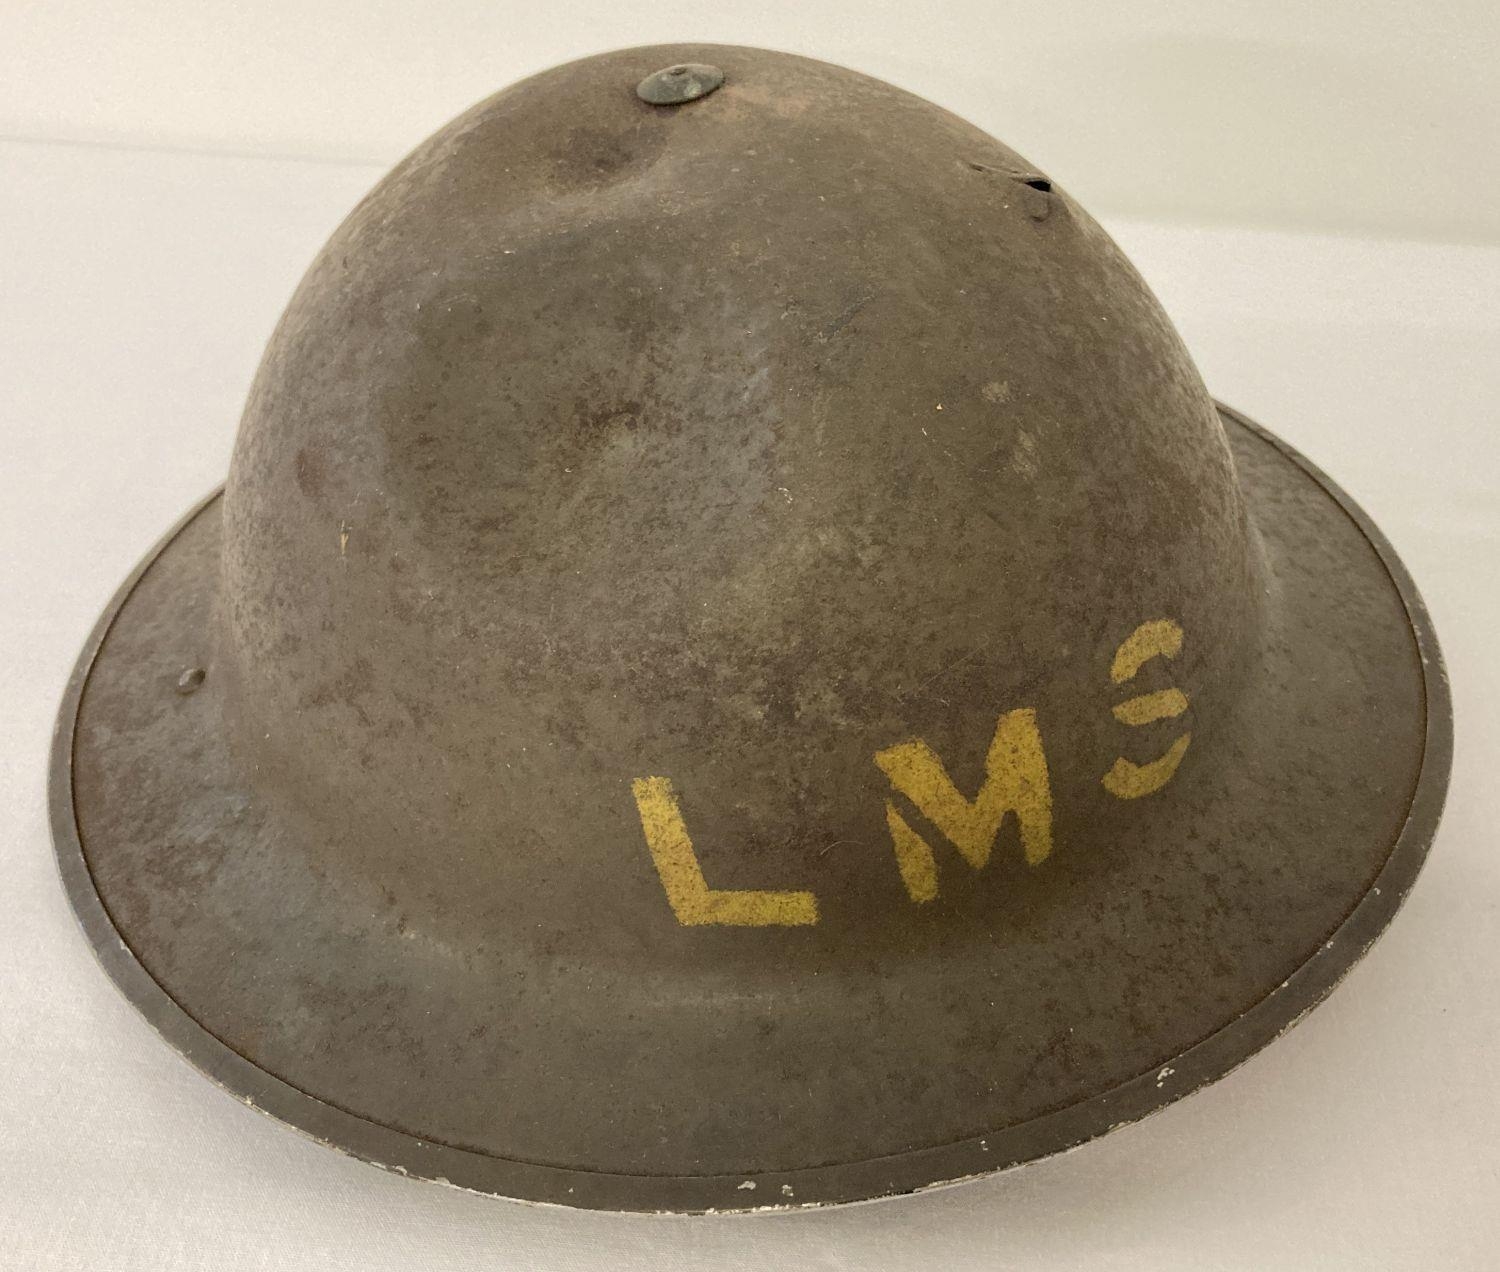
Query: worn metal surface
{"type": "Point", "coordinates": [741, 667]}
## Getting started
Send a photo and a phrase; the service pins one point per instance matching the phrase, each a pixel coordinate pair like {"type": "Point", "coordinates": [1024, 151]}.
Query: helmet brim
{"type": "Point", "coordinates": [152, 905]}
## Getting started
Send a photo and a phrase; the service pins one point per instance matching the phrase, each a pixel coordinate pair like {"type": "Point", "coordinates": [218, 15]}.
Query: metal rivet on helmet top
{"type": "Point", "coordinates": [674, 85]}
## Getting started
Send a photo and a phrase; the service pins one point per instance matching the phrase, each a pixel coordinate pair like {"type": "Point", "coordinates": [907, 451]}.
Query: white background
{"type": "Point", "coordinates": [1372, 115]}
{"type": "Point", "coordinates": [1312, 191]}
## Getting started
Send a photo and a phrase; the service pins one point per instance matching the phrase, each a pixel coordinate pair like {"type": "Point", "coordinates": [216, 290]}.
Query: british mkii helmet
{"type": "Point", "coordinates": [738, 665]}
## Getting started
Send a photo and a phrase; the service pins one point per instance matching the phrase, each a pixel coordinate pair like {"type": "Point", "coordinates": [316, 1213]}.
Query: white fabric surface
{"type": "Point", "coordinates": [136, 290]}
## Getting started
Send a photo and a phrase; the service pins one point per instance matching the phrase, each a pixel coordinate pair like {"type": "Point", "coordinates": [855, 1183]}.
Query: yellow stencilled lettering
{"type": "Point", "coordinates": [692, 900]}
{"type": "Point", "coordinates": [1151, 707]}
{"type": "Point", "coordinates": [1015, 781]}
{"type": "Point", "coordinates": [1159, 638]}
{"type": "Point", "coordinates": [1130, 781]}
{"type": "Point", "coordinates": [914, 858]}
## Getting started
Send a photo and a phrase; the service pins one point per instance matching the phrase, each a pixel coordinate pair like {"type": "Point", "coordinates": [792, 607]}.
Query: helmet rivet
{"type": "Point", "coordinates": [685, 82]}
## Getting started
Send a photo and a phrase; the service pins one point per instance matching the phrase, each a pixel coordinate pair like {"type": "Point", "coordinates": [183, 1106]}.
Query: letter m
{"type": "Point", "coordinates": [1015, 781]}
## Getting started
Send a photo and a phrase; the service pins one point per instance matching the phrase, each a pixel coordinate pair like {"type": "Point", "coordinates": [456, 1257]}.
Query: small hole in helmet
{"type": "Point", "coordinates": [1033, 179]}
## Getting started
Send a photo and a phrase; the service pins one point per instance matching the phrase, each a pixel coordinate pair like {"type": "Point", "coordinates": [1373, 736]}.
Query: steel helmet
{"type": "Point", "coordinates": [739, 665]}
